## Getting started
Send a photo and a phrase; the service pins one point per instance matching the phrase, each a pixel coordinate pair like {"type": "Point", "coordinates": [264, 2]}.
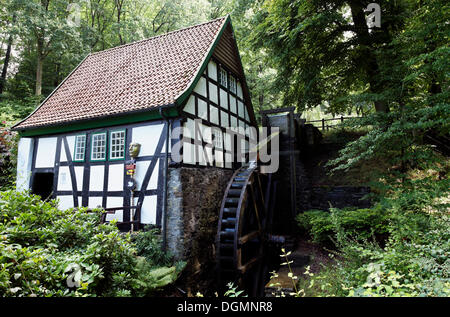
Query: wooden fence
{"type": "Point", "coordinates": [325, 126]}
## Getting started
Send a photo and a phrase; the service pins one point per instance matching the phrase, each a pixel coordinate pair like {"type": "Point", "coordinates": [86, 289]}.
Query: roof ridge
{"type": "Point", "coordinates": [158, 36]}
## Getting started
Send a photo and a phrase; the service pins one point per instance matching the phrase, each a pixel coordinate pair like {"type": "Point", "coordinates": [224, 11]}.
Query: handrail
{"type": "Point", "coordinates": [333, 119]}
{"type": "Point", "coordinates": [341, 118]}
{"type": "Point", "coordinates": [113, 210]}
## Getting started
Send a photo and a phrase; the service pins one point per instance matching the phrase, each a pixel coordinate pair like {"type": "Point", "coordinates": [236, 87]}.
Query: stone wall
{"type": "Point", "coordinates": [320, 197]}
{"type": "Point", "coordinates": [194, 199]}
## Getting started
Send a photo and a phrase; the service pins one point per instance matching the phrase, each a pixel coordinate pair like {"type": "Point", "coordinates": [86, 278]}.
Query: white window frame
{"type": "Point", "coordinates": [217, 138]}
{"type": "Point", "coordinates": [93, 144]}
{"type": "Point", "coordinates": [113, 151]}
{"type": "Point", "coordinates": [223, 76]}
{"type": "Point", "coordinates": [233, 85]}
{"type": "Point", "coordinates": [79, 151]}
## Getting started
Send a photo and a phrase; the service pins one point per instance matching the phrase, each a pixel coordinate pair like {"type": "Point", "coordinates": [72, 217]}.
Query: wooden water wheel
{"type": "Point", "coordinates": [243, 231]}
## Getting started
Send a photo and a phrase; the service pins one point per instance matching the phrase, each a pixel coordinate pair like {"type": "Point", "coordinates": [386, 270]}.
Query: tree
{"type": "Point", "coordinates": [419, 102]}
{"type": "Point", "coordinates": [325, 51]}
{"type": "Point", "coordinates": [8, 26]}
{"type": "Point", "coordinates": [46, 22]}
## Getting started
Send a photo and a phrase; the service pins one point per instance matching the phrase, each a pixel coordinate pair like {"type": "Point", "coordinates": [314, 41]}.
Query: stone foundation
{"type": "Point", "coordinates": [194, 199]}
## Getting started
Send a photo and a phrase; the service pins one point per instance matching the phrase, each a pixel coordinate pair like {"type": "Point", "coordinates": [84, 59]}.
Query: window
{"type": "Point", "coordinates": [233, 84]}
{"type": "Point", "coordinates": [80, 148]}
{"type": "Point", "coordinates": [223, 77]}
{"type": "Point", "coordinates": [117, 145]}
{"type": "Point", "coordinates": [217, 138]}
{"type": "Point", "coordinates": [98, 152]}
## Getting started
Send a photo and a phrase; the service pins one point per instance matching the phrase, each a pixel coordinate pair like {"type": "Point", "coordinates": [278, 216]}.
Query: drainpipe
{"type": "Point", "coordinates": [166, 173]}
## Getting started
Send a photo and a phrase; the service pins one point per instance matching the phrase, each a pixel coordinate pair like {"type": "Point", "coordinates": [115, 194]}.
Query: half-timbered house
{"type": "Point", "coordinates": [75, 145]}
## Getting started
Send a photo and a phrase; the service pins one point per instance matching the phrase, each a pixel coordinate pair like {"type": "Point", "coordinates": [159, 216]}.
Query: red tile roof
{"type": "Point", "coordinates": [129, 78]}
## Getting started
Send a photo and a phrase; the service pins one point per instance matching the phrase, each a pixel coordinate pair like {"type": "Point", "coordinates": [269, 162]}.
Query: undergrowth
{"type": "Point", "coordinates": [45, 251]}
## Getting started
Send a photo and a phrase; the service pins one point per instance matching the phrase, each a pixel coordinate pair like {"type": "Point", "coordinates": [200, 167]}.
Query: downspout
{"type": "Point", "coordinates": [166, 172]}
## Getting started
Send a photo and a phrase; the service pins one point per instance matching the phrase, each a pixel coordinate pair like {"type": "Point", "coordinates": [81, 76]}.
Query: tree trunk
{"type": "Point", "coordinates": [40, 54]}
{"type": "Point", "coordinates": [119, 4]}
{"type": "Point", "coordinates": [364, 39]}
{"type": "Point", "coordinates": [5, 65]}
{"type": "Point", "coordinates": [6, 62]}
{"type": "Point", "coordinates": [40, 61]}
{"type": "Point", "coordinates": [57, 74]}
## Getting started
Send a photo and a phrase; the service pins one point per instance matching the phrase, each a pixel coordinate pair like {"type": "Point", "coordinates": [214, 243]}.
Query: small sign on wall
{"type": "Point", "coordinates": [130, 167]}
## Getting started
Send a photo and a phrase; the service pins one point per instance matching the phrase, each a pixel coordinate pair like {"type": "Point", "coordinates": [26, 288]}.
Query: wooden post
{"type": "Point", "coordinates": [342, 118]}
{"type": "Point", "coordinates": [323, 124]}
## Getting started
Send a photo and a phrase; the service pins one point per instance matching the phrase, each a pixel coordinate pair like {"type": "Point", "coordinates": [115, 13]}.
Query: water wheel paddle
{"type": "Point", "coordinates": [241, 235]}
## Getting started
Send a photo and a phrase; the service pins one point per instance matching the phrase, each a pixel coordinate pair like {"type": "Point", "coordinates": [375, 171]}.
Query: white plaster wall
{"type": "Point", "coordinates": [24, 162]}
{"type": "Point", "coordinates": [225, 122]}
{"type": "Point", "coordinates": [202, 109]}
{"type": "Point", "coordinates": [223, 99]}
{"type": "Point", "coordinates": [64, 180]}
{"type": "Point", "coordinates": [141, 169]}
{"type": "Point", "coordinates": [201, 159]}
{"type": "Point", "coordinates": [233, 108]}
{"type": "Point", "coordinates": [153, 182]}
{"type": "Point", "coordinates": [71, 144]}
{"type": "Point", "coordinates": [219, 158]}
{"type": "Point", "coordinates": [212, 70]}
{"type": "Point", "coordinates": [148, 136]}
{"type": "Point", "coordinates": [228, 160]}
{"type": "Point", "coordinates": [96, 178]}
{"type": "Point", "coordinates": [188, 128]}
{"type": "Point", "coordinates": [148, 210]}
{"type": "Point", "coordinates": [213, 93]}
{"type": "Point", "coordinates": [190, 105]}
{"type": "Point", "coordinates": [79, 174]}
{"type": "Point", "coordinates": [214, 114]}
{"type": "Point", "coordinates": [196, 154]}
{"type": "Point", "coordinates": [200, 88]}
{"type": "Point", "coordinates": [115, 177]}
{"type": "Point", "coordinates": [112, 202]}
{"type": "Point", "coordinates": [65, 202]}
{"type": "Point", "coordinates": [188, 153]}
{"type": "Point", "coordinates": [94, 202]}
{"type": "Point", "coordinates": [45, 156]}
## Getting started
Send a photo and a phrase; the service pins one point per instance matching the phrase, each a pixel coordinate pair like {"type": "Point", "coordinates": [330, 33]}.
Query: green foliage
{"type": "Point", "coordinates": [414, 260]}
{"type": "Point", "coordinates": [8, 156]}
{"type": "Point", "coordinates": [360, 224]}
{"type": "Point", "coordinates": [148, 245]}
{"type": "Point", "coordinates": [45, 251]}
{"type": "Point", "coordinates": [233, 291]}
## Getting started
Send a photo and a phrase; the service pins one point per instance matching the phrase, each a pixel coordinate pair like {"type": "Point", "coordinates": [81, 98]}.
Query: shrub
{"type": "Point", "coordinates": [8, 154]}
{"type": "Point", "coordinates": [45, 251]}
{"type": "Point", "coordinates": [148, 245]}
{"type": "Point", "coordinates": [415, 259]}
{"type": "Point", "coordinates": [361, 224]}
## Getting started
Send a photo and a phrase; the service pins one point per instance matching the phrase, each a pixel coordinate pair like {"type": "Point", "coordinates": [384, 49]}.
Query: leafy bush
{"type": "Point", "coordinates": [8, 154]}
{"type": "Point", "coordinates": [148, 245]}
{"type": "Point", "coordinates": [45, 251]}
{"type": "Point", "coordinates": [415, 259]}
{"type": "Point", "coordinates": [361, 224]}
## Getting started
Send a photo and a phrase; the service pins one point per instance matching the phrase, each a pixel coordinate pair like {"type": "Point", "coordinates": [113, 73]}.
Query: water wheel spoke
{"type": "Point", "coordinates": [245, 267]}
{"type": "Point", "coordinates": [241, 227]}
{"type": "Point", "coordinates": [255, 206]}
{"type": "Point", "coordinates": [248, 237]}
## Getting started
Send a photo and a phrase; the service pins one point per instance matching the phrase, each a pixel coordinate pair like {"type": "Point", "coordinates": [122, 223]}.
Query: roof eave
{"type": "Point", "coordinates": [100, 122]}
{"type": "Point", "coordinates": [190, 87]}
